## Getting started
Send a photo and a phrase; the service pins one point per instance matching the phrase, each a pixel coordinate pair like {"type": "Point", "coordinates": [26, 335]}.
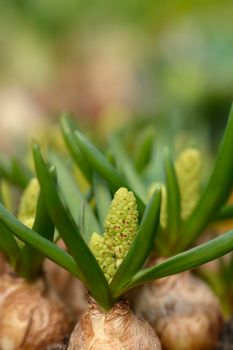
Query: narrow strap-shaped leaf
{"type": "Point", "coordinates": [102, 197]}
{"type": "Point", "coordinates": [8, 244]}
{"type": "Point", "coordinates": [87, 265]}
{"type": "Point", "coordinates": [100, 163]}
{"type": "Point", "coordinates": [144, 149]}
{"type": "Point", "coordinates": [226, 213]}
{"type": "Point", "coordinates": [68, 134]}
{"type": "Point", "coordinates": [187, 260]}
{"type": "Point", "coordinates": [47, 248]}
{"type": "Point", "coordinates": [126, 167]}
{"type": "Point", "coordinates": [15, 172]}
{"type": "Point", "coordinates": [141, 246]}
{"type": "Point", "coordinates": [21, 173]}
{"type": "Point", "coordinates": [173, 198]}
{"type": "Point", "coordinates": [216, 192]}
{"type": "Point", "coordinates": [104, 167]}
{"type": "Point", "coordinates": [73, 197]}
{"type": "Point", "coordinates": [30, 260]}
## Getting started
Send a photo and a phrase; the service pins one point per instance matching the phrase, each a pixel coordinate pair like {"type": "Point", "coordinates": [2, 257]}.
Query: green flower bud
{"type": "Point", "coordinates": [120, 228]}
{"type": "Point", "coordinates": [103, 254]}
{"type": "Point", "coordinates": [188, 169]}
{"type": "Point", "coordinates": [28, 202]}
{"type": "Point", "coordinates": [121, 223]}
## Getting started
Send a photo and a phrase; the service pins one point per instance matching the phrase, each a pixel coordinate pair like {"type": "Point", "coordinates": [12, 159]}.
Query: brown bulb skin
{"type": "Point", "coordinates": [31, 315]}
{"type": "Point", "coordinates": [183, 311]}
{"type": "Point", "coordinates": [68, 287]}
{"type": "Point", "coordinates": [117, 329]}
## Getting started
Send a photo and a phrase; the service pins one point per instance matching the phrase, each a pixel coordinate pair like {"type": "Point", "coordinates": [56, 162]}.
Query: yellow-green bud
{"type": "Point", "coordinates": [188, 169]}
{"type": "Point", "coordinates": [120, 228]}
{"type": "Point", "coordinates": [104, 256]}
{"type": "Point", "coordinates": [28, 202]}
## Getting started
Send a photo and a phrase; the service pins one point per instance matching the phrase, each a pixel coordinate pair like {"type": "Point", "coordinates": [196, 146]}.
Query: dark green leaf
{"type": "Point", "coordinates": [68, 134]}
{"type": "Point", "coordinates": [20, 173]}
{"type": "Point", "coordinates": [126, 167]}
{"type": "Point", "coordinates": [73, 197]}
{"type": "Point", "coordinates": [15, 172]}
{"type": "Point", "coordinates": [226, 213]}
{"type": "Point", "coordinates": [173, 198]}
{"type": "Point", "coordinates": [144, 149]}
{"type": "Point", "coordinates": [104, 168]}
{"type": "Point", "coordinates": [100, 163]}
{"type": "Point", "coordinates": [30, 260]}
{"type": "Point", "coordinates": [103, 198]}
{"type": "Point", "coordinates": [87, 265]}
{"type": "Point", "coordinates": [187, 260]}
{"type": "Point", "coordinates": [47, 248]}
{"type": "Point", "coordinates": [8, 244]}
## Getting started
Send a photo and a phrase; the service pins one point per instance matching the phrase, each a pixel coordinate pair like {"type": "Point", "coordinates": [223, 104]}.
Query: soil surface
{"type": "Point", "coordinates": [226, 341]}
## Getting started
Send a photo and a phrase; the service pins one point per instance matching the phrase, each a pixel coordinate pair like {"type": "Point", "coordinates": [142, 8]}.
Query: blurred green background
{"type": "Point", "coordinates": [110, 61]}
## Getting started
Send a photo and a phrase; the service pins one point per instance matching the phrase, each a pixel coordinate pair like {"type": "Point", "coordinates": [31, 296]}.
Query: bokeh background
{"type": "Point", "coordinates": [111, 62]}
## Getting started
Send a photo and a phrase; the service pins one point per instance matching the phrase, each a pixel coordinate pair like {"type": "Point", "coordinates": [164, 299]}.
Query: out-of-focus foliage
{"type": "Point", "coordinates": [169, 61]}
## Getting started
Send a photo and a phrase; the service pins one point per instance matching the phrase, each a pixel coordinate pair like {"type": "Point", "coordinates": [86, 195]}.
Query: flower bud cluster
{"type": "Point", "coordinates": [121, 225]}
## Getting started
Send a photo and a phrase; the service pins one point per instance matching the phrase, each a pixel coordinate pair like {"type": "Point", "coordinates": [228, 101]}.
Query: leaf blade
{"type": "Point", "coordinates": [189, 259]}
{"type": "Point", "coordinates": [28, 236]}
{"type": "Point", "coordinates": [173, 197]}
{"type": "Point", "coordinates": [87, 265]}
{"type": "Point", "coordinates": [8, 244]}
{"type": "Point", "coordinates": [73, 197]}
{"type": "Point", "coordinates": [214, 193]}
{"type": "Point", "coordinates": [103, 198]}
{"type": "Point", "coordinates": [30, 260]}
{"type": "Point", "coordinates": [74, 149]}
{"type": "Point", "coordinates": [104, 167]}
{"type": "Point", "coordinates": [126, 166]}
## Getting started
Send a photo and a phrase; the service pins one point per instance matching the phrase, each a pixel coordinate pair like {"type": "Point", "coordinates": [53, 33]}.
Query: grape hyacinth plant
{"type": "Point", "coordinates": [32, 316]}
{"type": "Point", "coordinates": [186, 211]}
{"type": "Point", "coordinates": [108, 248]}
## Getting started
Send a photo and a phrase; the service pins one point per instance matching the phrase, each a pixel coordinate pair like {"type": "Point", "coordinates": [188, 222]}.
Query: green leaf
{"type": "Point", "coordinates": [75, 151]}
{"type": "Point", "coordinates": [87, 265]}
{"type": "Point", "coordinates": [187, 260]}
{"type": "Point", "coordinates": [226, 213]}
{"type": "Point", "coordinates": [28, 236]}
{"type": "Point", "coordinates": [216, 192]}
{"type": "Point", "coordinates": [141, 246]}
{"type": "Point", "coordinates": [20, 173]}
{"type": "Point", "coordinates": [15, 171]}
{"type": "Point", "coordinates": [126, 167]}
{"type": "Point", "coordinates": [173, 198]}
{"type": "Point", "coordinates": [30, 260]}
{"type": "Point", "coordinates": [100, 163]}
{"type": "Point", "coordinates": [8, 244]}
{"type": "Point", "coordinates": [73, 197]}
{"type": "Point", "coordinates": [144, 149]}
{"type": "Point", "coordinates": [102, 166]}
{"type": "Point", "coordinates": [103, 198]}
